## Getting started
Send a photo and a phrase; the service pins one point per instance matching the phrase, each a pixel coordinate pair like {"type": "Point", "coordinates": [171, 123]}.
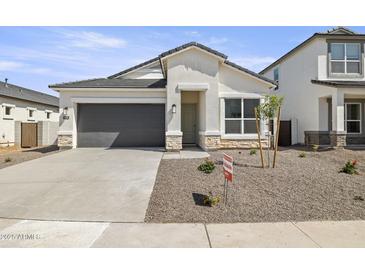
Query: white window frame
{"type": "Point", "coordinates": [360, 121]}
{"type": "Point", "coordinates": [47, 111]}
{"type": "Point", "coordinates": [242, 119]}
{"type": "Point", "coordinates": [11, 115]}
{"type": "Point", "coordinates": [345, 61]}
{"type": "Point", "coordinates": [28, 112]}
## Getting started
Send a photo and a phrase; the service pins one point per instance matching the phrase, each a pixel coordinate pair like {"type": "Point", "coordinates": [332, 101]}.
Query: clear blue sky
{"type": "Point", "coordinates": [35, 57]}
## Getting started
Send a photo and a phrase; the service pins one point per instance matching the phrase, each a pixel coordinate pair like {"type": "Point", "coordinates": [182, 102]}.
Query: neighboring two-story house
{"type": "Point", "coordinates": [28, 118]}
{"type": "Point", "coordinates": [323, 83]}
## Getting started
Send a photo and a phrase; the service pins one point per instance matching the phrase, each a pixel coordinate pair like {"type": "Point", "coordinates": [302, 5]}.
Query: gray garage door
{"type": "Point", "coordinates": [121, 125]}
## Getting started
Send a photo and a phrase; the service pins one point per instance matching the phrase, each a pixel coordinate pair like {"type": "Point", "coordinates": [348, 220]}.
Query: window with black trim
{"type": "Point", "coordinates": [353, 117]}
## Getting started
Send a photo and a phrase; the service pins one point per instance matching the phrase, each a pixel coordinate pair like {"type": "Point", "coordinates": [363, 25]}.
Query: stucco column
{"type": "Point", "coordinates": [338, 111]}
{"type": "Point", "coordinates": [338, 134]}
{"type": "Point", "coordinates": [173, 120]}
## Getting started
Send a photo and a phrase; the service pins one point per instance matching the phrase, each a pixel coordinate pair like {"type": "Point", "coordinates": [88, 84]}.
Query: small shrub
{"type": "Point", "coordinates": [350, 168]}
{"type": "Point", "coordinates": [210, 200]}
{"type": "Point", "coordinates": [7, 160]}
{"type": "Point", "coordinates": [253, 151]}
{"type": "Point", "coordinates": [358, 198]}
{"type": "Point", "coordinates": [302, 155]}
{"type": "Point", "coordinates": [315, 148]}
{"type": "Point", "coordinates": [207, 167]}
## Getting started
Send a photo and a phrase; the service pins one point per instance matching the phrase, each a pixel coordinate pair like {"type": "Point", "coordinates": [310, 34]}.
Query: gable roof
{"type": "Point", "coordinates": [192, 44]}
{"type": "Point", "coordinates": [146, 63]}
{"type": "Point", "coordinates": [340, 32]}
{"type": "Point", "coordinates": [113, 83]}
{"type": "Point", "coordinates": [18, 92]}
{"type": "Point", "coordinates": [250, 72]}
{"type": "Point", "coordinates": [167, 53]}
{"type": "Point", "coordinates": [114, 80]}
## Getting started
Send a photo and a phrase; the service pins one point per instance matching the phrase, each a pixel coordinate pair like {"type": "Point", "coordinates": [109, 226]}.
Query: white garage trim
{"type": "Point", "coordinates": [119, 100]}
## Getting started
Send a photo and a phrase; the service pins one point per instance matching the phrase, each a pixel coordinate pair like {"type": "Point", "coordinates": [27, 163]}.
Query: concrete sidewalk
{"type": "Point", "coordinates": [28, 233]}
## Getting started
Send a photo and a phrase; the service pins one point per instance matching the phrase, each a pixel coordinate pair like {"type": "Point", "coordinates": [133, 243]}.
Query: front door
{"type": "Point", "coordinates": [188, 123]}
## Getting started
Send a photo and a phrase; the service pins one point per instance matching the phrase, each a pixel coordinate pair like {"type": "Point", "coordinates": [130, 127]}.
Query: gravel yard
{"type": "Point", "coordinates": [12, 156]}
{"type": "Point", "coordinates": [299, 189]}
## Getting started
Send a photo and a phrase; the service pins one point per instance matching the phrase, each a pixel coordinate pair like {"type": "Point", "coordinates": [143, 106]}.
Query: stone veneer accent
{"type": "Point", "coordinates": [338, 139]}
{"type": "Point", "coordinates": [173, 143]}
{"type": "Point", "coordinates": [317, 138]}
{"type": "Point", "coordinates": [209, 142]}
{"type": "Point", "coordinates": [216, 142]}
{"type": "Point", "coordinates": [225, 143]}
{"type": "Point", "coordinates": [64, 140]}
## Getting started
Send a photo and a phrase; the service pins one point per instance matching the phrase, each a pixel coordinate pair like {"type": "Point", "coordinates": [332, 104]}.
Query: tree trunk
{"type": "Point", "coordinates": [259, 138]}
{"type": "Point", "coordinates": [277, 136]}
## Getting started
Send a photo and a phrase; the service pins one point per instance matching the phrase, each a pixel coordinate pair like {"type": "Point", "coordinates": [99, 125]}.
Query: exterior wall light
{"type": "Point", "coordinates": [173, 108]}
{"type": "Point", "coordinates": [65, 113]}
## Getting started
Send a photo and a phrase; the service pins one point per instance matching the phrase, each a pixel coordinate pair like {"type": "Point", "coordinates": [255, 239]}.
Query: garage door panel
{"type": "Point", "coordinates": [121, 125]}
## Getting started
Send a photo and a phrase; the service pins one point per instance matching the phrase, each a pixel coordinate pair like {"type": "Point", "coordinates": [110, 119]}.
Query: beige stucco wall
{"type": "Point", "coordinates": [301, 97]}
{"type": "Point", "coordinates": [193, 66]}
{"type": "Point", "coordinates": [20, 113]}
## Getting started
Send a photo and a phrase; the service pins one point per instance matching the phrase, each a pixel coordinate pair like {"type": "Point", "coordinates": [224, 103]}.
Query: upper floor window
{"type": "Point", "coordinates": [276, 75]}
{"type": "Point", "coordinates": [345, 58]}
{"type": "Point", "coordinates": [31, 113]}
{"type": "Point", "coordinates": [8, 111]}
{"type": "Point", "coordinates": [48, 114]}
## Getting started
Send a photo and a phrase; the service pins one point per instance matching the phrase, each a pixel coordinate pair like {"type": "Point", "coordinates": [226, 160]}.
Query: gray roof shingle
{"type": "Point", "coordinates": [192, 44]}
{"type": "Point", "coordinates": [114, 83]}
{"type": "Point", "coordinates": [251, 72]}
{"type": "Point", "coordinates": [18, 92]}
{"type": "Point", "coordinates": [134, 68]}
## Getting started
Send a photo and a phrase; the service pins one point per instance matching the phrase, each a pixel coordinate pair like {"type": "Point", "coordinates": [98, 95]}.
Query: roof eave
{"type": "Point", "coordinates": [307, 41]}
{"type": "Point", "coordinates": [251, 74]}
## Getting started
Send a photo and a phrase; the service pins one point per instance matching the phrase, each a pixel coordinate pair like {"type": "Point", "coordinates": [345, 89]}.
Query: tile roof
{"type": "Point", "coordinates": [251, 72]}
{"type": "Point", "coordinates": [134, 68]}
{"type": "Point", "coordinates": [18, 92]}
{"type": "Point", "coordinates": [113, 83]}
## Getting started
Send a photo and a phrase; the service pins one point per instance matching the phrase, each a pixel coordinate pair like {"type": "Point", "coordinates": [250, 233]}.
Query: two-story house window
{"type": "Point", "coordinates": [276, 75]}
{"type": "Point", "coordinates": [345, 58]}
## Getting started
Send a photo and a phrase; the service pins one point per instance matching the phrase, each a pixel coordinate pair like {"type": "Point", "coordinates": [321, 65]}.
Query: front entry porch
{"type": "Point", "coordinates": [341, 119]}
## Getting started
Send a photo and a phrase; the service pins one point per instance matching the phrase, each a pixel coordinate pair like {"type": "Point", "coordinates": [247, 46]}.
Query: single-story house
{"type": "Point", "coordinates": [28, 118]}
{"type": "Point", "coordinates": [190, 95]}
{"type": "Point", "coordinates": [323, 82]}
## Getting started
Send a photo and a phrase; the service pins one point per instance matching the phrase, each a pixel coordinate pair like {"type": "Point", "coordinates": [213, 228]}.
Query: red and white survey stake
{"type": "Point", "coordinates": [228, 167]}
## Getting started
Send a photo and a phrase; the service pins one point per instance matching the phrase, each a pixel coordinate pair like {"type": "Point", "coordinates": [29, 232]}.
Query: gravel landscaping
{"type": "Point", "coordinates": [12, 156]}
{"type": "Point", "coordinates": [299, 189]}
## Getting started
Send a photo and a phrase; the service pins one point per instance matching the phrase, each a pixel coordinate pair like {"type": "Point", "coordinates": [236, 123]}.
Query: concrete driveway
{"type": "Point", "coordinates": [112, 185]}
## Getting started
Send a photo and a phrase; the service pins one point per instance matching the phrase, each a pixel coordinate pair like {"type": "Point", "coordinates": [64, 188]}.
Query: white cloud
{"type": "Point", "coordinates": [23, 68]}
{"type": "Point", "coordinates": [217, 40]}
{"type": "Point", "coordinates": [255, 63]}
{"type": "Point", "coordinates": [193, 33]}
{"type": "Point", "coordinates": [10, 65]}
{"type": "Point", "coordinates": [93, 40]}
